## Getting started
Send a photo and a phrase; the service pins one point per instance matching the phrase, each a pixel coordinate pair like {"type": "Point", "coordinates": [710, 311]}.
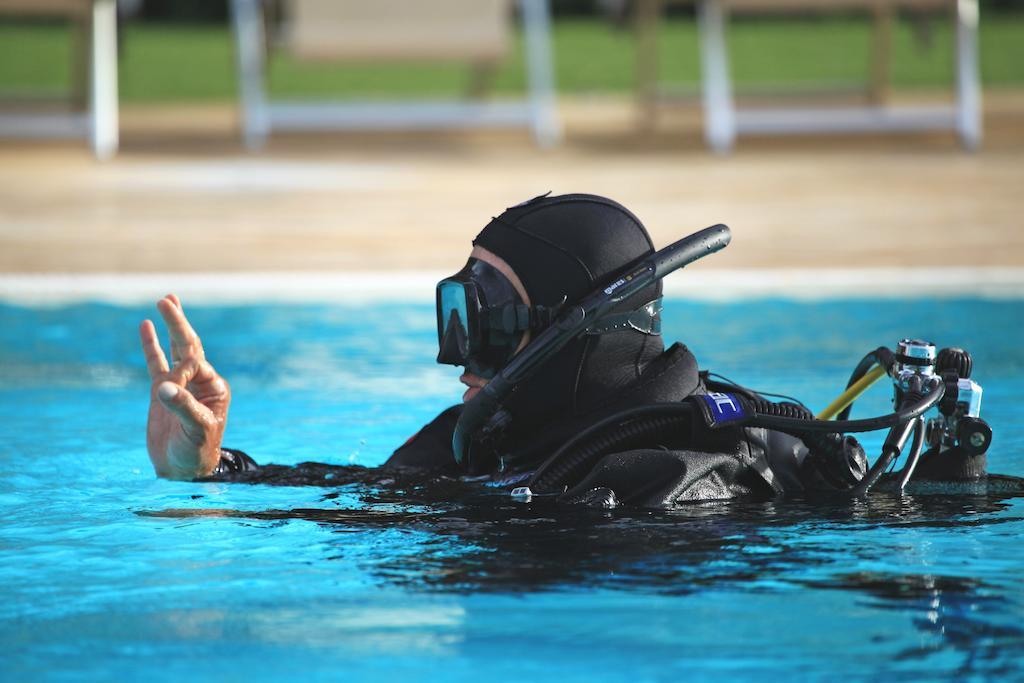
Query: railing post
{"type": "Point", "coordinates": [968, 76]}
{"type": "Point", "coordinates": [247, 17]}
{"type": "Point", "coordinates": [103, 123]}
{"type": "Point", "coordinates": [540, 77]}
{"type": "Point", "coordinates": [719, 111]}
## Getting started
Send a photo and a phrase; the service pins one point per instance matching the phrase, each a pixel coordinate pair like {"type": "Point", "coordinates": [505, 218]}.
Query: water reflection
{"type": "Point", "coordinates": [955, 612]}
{"type": "Point", "coordinates": [494, 543]}
{"type": "Point", "coordinates": [479, 540]}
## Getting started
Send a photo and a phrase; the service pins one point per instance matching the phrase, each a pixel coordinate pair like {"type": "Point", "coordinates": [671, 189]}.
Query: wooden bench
{"type": "Point", "coordinates": [95, 60]}
{"type": "Point", "coordinates": [475, 32]}
{"type": "Point", "coordinates": [724, 121]}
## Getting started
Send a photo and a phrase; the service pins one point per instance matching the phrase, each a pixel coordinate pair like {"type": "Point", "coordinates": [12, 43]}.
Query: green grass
{"type": "Point", "coordinates": [195, 63]}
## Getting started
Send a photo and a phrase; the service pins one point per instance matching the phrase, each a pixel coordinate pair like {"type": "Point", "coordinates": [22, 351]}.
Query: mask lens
{"type": "Point", "coordinates": [452, 297]}
{"type": "Point", "coordinates": [453, 329]}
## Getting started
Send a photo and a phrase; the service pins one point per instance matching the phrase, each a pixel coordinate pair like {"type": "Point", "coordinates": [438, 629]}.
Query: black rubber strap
{"type": "Point", "coordinates": [515, 318]}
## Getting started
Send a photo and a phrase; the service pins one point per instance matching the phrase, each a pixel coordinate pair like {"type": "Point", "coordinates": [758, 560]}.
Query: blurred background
{"type": "Point", "coordinates": [206, 136]}
{"type": "Point", "coordinates": [323, 162]}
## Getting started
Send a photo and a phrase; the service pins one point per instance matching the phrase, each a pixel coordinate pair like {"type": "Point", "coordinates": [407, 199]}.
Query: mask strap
{"type": "Point", "coordinates": [515, 318]}
{"type": "Point", "coordinates": [646, 319]}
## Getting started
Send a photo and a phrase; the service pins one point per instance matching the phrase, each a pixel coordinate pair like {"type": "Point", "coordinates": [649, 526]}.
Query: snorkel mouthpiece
{"type": "Point", "coordinates": [574, 321]}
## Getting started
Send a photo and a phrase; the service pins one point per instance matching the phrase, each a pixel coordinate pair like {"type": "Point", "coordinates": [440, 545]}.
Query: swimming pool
{"type": "Point", "coordinates": [109, 572]}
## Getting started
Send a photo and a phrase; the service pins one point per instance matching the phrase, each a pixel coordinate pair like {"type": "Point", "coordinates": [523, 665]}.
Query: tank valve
{"type": "Point", "coordinates": [954, 359]}
{"type": "Point", "coordinates": [913, 357]}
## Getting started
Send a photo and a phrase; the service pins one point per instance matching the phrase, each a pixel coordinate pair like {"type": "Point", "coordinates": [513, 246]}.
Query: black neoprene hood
{"type": "Point", "coordinates": [562, 248]}
{"type": "Point", "coordinates": [565, 246]}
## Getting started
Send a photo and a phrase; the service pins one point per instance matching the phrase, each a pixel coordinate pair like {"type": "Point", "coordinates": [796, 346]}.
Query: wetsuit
{"type": "Point", "coordinates": [695, 464]}
{"type": "Point", "coordinates": [561, 248]}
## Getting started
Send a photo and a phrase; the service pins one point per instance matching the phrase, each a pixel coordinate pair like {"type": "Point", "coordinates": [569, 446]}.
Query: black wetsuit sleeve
{"type": "Point", "coordinates": [232, 461]}
{"type": "Point", "coordinates": [431, 447]}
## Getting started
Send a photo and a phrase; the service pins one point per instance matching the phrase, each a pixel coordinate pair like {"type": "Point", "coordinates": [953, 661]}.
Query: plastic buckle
{"type": "Point", "coordinates": [522, 493]}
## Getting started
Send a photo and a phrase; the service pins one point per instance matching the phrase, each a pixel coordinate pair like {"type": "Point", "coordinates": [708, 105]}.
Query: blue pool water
{"type": "Point", "coordinates": [110, 573]}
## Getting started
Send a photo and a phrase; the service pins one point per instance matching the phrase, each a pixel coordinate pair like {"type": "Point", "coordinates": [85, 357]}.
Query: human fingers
{"type": "Point", "coordinates": [193, 415]}
{"type": "Point", "coordinates": [156, 361]}
{"type": "Point", "coordinates": [184, 340]}
{"type": "Point", "coordinates": [184, 371]}
{"type": "Point", "coordinates": [203, 382]}
{"type": "Point", "coordinates": [210, 388]}
{"type": "Point", "coordinates": [194, 371]}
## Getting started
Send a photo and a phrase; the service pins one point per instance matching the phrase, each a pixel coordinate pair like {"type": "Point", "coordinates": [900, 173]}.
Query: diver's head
{"type": "Point", "coordinates": [485, 278]}
{"type": "Point", "coordinates": [527, 264]}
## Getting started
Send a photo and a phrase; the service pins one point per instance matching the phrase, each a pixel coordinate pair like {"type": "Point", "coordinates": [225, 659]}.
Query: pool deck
{"type": "Point", "coordinates": [184, 197]}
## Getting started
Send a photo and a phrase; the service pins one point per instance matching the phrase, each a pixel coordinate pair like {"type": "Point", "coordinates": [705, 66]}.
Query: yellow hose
{"type": "Point", "coordinates": [852, 393]}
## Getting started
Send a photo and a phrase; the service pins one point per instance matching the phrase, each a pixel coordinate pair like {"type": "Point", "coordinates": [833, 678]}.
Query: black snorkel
{"type": "Point", "coordinates": [483, 413]}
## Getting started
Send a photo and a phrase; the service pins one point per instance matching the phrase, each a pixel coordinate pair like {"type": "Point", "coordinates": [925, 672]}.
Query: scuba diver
{"type": "Point", "coordinates": [572, 396]}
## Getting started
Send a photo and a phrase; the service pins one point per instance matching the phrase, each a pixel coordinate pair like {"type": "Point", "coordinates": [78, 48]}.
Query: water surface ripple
{"type": "Point", "coordinates": [110, 573]}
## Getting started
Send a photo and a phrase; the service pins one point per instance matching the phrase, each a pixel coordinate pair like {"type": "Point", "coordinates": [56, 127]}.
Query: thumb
{"type": "Point", "coordinates": [192, 414]}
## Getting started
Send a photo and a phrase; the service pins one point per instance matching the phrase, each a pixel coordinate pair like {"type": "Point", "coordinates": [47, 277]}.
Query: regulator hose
{"type": "Point", "coordinates": [915, 454]}
{"type": "Point", "coordinates": [612, 434]}
{"type": "Point", "coordinates": [852, 393]}
{"type": "Point", "coordinates": [883, 357]}
{"type": "Point", "coordinates": [784, 409]}
{"type": "Point", "coordinates": [897, 437]}
{"type": "Point", "coordinates": [633, 427]}
{"type": "Point", "coordinates": [636, 427]}
{"type": "Point", "coordinates": [909, 409]}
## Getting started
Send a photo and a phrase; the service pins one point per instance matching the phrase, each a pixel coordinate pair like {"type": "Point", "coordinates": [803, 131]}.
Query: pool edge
{"type": "Point", "coordinates": [252, 287]}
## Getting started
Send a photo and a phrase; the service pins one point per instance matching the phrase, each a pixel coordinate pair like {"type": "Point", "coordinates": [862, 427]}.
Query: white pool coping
{"type": "Point", "coordinates": [418, 286]}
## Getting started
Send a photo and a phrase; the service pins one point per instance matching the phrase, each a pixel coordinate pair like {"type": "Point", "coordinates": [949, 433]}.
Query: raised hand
{"type": "Point", "coordinates": [188, 403]}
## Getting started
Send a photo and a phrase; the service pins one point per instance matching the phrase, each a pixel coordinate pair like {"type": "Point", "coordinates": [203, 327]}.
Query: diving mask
{"type": "Point", "coordinates": [481, 319]}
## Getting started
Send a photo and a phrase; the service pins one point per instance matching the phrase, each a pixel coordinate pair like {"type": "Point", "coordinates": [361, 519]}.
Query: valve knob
{"type": "Point", "coordinates": [974, 435]}
{"type": "Point", "coordinates": [954, 359]}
